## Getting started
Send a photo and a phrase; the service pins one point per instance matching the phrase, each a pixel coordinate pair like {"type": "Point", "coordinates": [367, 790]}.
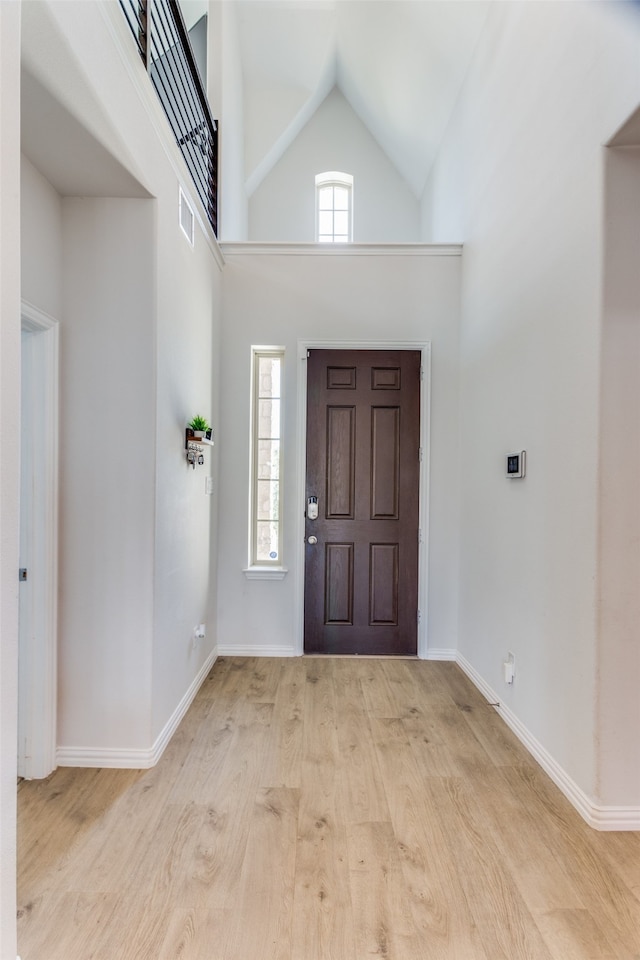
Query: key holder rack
{"type": "Point", "coordinates": [195, 442]}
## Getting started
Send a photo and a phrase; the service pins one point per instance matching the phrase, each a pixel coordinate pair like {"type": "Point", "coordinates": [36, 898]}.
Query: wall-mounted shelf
{"type": "Point", "coordinates": [190, 437]}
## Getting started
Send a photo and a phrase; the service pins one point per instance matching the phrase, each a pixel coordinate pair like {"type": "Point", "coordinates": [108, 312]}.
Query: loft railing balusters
{"type": "Point", "coordinates": [163, 43]}
{"type": "Point", "coordinates": [143, 6]}
{"type": "Point", "coordinates": [170, 65]}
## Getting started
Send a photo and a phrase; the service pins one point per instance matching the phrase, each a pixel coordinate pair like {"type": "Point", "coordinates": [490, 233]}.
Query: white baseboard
{"type": "Point", "coordinates": [136, 759]}
{"type": "Point", "coordinates": [173, 722]}
{"type": "Point", "coordinates": [598, 817]}
{"type": "Point", "coordinates": [441, 653]}
{"type": "Point", "coordinates": [254, 650]}
{"type": "Point", "coordinates": [125, 758]}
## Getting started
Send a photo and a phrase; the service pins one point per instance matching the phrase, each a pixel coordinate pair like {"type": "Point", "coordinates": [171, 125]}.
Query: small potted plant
{"type": "Point", "coordinates": [200, 427]}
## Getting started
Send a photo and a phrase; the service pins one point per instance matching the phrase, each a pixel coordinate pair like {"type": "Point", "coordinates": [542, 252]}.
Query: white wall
{"type": "Point", "coordinates": [107, 466]}
{"type": "Point", "coordinates": [188, 359]}
{"type": "Point", "coordinates": [9, 459]}
{"type": "Point", "coordinates": [276, 299]}
{"type": "Point", "coordinates": [41, 241]}
{"type": "Point", "coordinates": [283, 206]}
{"type": "Point", "coordinates": [519, 177]}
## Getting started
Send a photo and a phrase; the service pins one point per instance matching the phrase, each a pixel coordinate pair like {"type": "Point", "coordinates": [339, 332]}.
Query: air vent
{"type": "Point", "coordinates": [187, 218]}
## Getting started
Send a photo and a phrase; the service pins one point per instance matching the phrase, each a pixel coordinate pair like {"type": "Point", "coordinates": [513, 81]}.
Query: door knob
{"type": "Point", "coordinates": [312, 540]}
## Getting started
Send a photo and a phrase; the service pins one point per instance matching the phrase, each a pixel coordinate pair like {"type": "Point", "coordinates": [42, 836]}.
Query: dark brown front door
{"type": "Point", "coordinates": [363, 437]}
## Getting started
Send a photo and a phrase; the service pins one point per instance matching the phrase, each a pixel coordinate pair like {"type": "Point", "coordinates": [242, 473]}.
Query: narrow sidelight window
{"type": "Point", "coordinates": [266, 526]}
{"type": "Point", "coordinates": [334, 207]}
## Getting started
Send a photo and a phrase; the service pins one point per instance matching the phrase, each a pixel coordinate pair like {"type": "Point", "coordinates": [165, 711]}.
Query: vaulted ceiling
{"type": "Point", "coordinates": [399, 63]}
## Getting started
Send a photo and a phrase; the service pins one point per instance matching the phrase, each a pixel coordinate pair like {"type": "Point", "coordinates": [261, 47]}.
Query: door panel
{"type": "Point", "coordinates": [383, 583]}
{"type": "Point", "coordinates": [385, 462]}
{"type": "Point", "coordinates": [341, 465]}
{"type": "Point", "coordinates": [363, 435]}
{"type": "Point", "coordinates": [339, 583]}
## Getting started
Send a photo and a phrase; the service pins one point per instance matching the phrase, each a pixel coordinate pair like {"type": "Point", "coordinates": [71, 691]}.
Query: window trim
{"type": "Point", "coordinates": [264, 569]}
{"type": "Point", "coordinates": [334, 178]}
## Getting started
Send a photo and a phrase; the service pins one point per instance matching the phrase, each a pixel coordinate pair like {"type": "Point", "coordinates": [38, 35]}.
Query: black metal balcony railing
{"type": "Point", "coordinates": [163, 43]}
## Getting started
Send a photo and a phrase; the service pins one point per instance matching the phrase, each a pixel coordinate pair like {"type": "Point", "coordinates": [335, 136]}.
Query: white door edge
{"type": "Point", "coordinates": [37, 695]}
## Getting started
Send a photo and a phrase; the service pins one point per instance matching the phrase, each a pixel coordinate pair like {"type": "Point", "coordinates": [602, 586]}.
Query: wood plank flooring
{"type": "Point", "coordinates": [324, 809]}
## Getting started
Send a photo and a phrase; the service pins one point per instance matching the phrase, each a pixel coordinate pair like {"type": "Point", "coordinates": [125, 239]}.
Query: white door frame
{"type": "Point", "coordinates": [425, 435]}
{"type": "Point", "coordinates": [38, 661]}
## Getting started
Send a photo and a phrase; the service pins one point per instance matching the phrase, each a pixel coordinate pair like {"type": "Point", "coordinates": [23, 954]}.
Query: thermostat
{"type": "Point", "coordinates": [516, 464]}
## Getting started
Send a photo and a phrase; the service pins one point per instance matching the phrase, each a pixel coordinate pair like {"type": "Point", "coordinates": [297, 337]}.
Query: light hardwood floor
{"type": "Point", "coordinates": [324, 809]}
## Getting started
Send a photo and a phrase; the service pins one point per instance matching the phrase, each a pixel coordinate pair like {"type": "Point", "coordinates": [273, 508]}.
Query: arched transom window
{"type": "Point", "coordinates": [334, 207]}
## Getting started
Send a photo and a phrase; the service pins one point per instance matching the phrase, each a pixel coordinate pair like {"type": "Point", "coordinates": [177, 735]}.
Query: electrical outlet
{"type": "Point", "coordinates": [509, 668]}
{"type": "Point", "coordinates": [208, 486]}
